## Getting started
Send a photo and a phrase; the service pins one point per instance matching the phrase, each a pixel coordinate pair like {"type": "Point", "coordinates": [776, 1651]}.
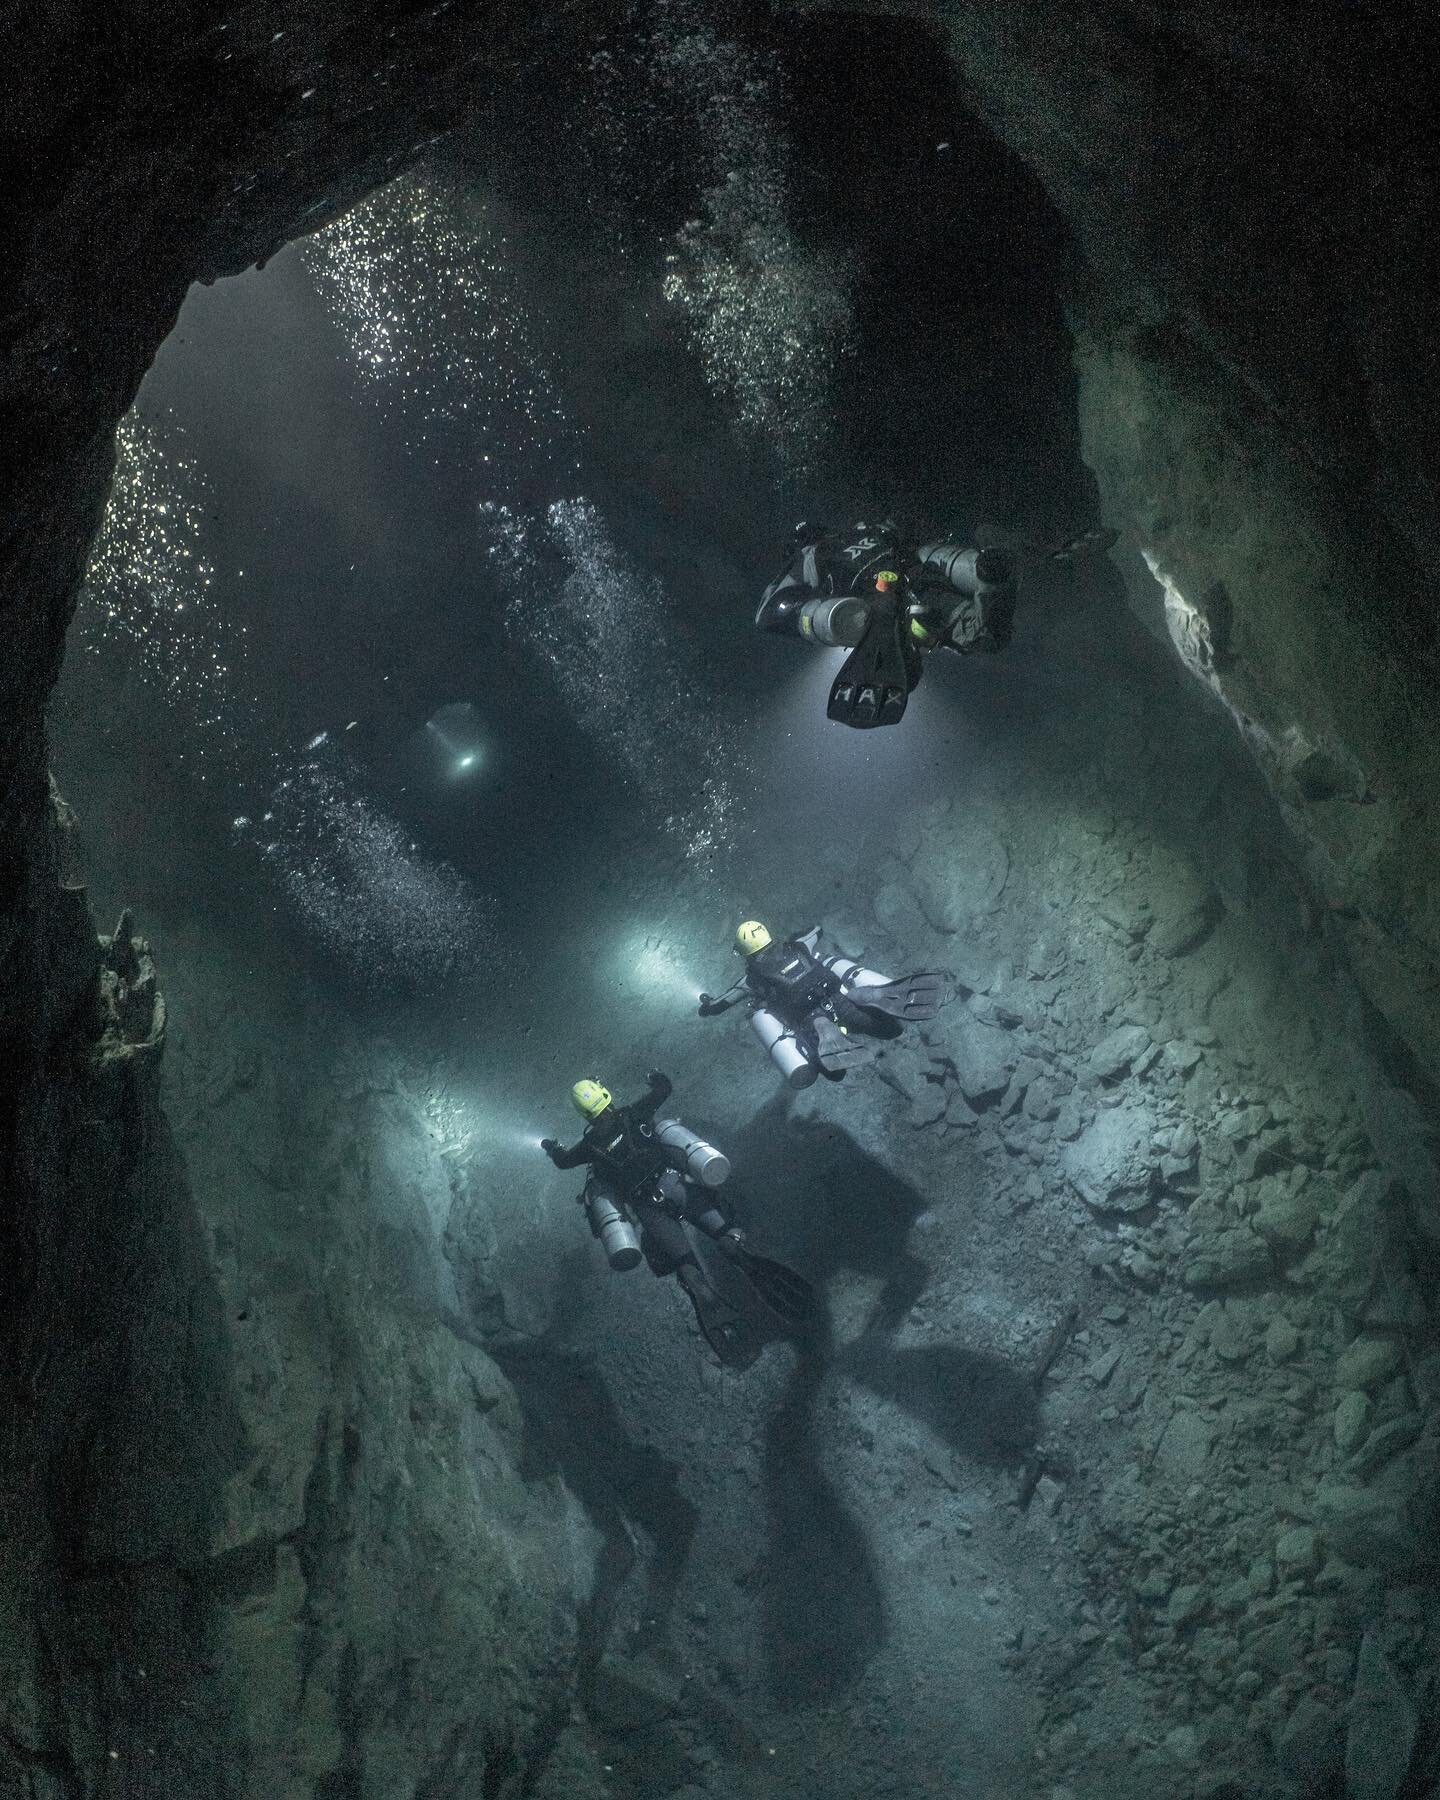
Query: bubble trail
{"type": "Point", "coordinates": [389, 915]}
{"type": "Point", "coordinates": [606, 633]}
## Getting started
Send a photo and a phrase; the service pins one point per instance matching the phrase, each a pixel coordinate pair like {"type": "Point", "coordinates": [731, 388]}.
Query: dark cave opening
{"type": "Point", "coordinates": [346, 544]}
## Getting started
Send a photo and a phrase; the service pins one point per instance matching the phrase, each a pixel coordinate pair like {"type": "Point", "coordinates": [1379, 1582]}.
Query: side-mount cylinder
{"type": "Point", "coordinates": [968, 571]}
{"type": "Point", "coordinates": [850, 972]}
{"type": "Point", "coordinates": [838, 620]}
{"type": "Point", "coordinates": [618, 1237]}
{"type": "Point", "coordinates": [700, 1160]}
{"type": "Point", "coordinates": [784, 1047]}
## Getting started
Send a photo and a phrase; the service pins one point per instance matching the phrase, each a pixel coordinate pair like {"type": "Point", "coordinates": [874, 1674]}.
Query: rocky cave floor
{"type": "Point", "coordinates": [1095, 1478]}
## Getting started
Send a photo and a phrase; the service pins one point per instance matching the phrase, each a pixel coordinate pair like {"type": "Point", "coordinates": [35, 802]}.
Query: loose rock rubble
{"type": "Point", "coordinates": [1268, 1497]}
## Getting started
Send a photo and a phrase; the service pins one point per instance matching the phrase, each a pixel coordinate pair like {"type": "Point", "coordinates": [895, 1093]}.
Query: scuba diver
{"type": "Point", "coordinates": [651, 1178]}
{"type": "Point", "coordinates": [811, 1010]}
{"type": "Point", "coordinates": [861, 590]}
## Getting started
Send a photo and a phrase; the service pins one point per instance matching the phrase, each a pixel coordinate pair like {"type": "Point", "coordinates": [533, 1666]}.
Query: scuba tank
{"type": "Point", "coordinates": [701, 1161]}
{"type": "Point", "coordinates": [618, 1237]}
{"type": "Point", "coordinates": [975, 572]}
{"type": "Point", "coordinates": [839, 620]}
{"type": "Point", "coordinates": [848, 971]}
{"type": "Point", "coordinates": [784, 1047]}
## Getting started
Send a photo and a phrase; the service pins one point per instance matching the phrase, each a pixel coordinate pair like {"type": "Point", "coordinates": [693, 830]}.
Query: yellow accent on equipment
{"type": "Point", "coordinates": [590, 1098]}
{"type": "Point", "coordinates": [751, 936]}
{"type": "Point", "coordinates": [920, 632]}
{"type": "Point", "coordinates": [885, 579]}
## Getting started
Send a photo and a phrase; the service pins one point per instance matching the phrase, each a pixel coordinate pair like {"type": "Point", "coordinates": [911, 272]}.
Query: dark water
{"type": "Point", "coordinates": [484, 476]}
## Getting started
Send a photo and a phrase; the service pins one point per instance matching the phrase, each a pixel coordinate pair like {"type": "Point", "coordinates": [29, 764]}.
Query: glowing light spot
{"type": "Point", "coordinates": [646, 965]}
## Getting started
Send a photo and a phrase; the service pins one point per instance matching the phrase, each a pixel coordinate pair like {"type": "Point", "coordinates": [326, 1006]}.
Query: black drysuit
{"type": "Point", "coordinates": [828, 563]}
{"type": "Point", "coordinates": [628, 1161]}
{"type": "Point", "coordinates": [793, 983]}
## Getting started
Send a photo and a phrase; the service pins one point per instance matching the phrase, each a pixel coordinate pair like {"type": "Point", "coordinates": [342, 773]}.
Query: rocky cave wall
{"type": "Point", "coordinates": [1256, 369]}
{"type": "Point", "coordinates": [1255, 376]}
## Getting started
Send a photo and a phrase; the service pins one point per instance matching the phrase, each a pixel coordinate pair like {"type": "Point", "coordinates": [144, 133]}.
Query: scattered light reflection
{"type": "Point", "coordinates": [149, 595]}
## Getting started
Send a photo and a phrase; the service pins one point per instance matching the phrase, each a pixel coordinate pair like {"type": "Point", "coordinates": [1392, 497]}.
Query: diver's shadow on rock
{"type": "Point", "coordinates": [822, 1609]}
{"type": "Point", "coordinates": [575, 1430]}
{"type": "Point", "coordinates": [829, 1206]}
{"type": "Point", "coordinates": [825, 1204]}
{"type": "Point", "coordinates": [982, 1407]}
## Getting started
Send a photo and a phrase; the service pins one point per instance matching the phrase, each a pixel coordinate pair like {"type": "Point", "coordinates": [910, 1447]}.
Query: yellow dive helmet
{"type": "Point", "coordinates": [750, 937]}
{"type": "Point", "coordinates": [590, 1098]}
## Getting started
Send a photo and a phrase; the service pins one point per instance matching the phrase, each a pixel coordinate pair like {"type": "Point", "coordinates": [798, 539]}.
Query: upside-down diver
{"type": "Point", "coordinates": [890, 606]}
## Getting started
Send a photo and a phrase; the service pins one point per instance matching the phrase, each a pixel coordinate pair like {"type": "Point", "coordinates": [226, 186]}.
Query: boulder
{"type": "Point", "coordinates": [983, 1058]}
{"type": "Point", "coordinates": [1298, 1552]}
{"type": "Point", "coordinates": [1040, 1102]}
{"type": "Point", "coordinates": [1282, 1340]}
{"type": "Point", "coordinates": [1184, 1447]}
{"type": "Point", "coordinates": [1180, 1057]}
{"type": "Point", "coordinates": [1115, 1053]}
{"type": "Point", "coordinates": [1381, 1445]}
{"type": "Point", "coordinates": [990, 1011]}
{"type": "Point", "coordinates": [929, 1104]}
{"type": "Point", "coordinates": [973, 968]}
{"type": "Point", "coordinates": [1284, 1218]}
{"type": "Point", "coordinates": [1232, 1257]}
{"type": "Point", "coordinates": [1181, 907]}
{"type": "Point", "coordinates": [1185, 1605]}
{"type": "Point", "coordinates": [1070, 1121]}
{"type": "Point", "coordinates": [958, 1110]}
{"type": "Point", "coordinates": [1228, 1339]}
{"type": "Point", "coordinates": [1360, 1229]}
{"type": "Point", "coordinates": [1125, 913]}
{"type": "Point", "coordinates": [1373, 1527]}
{"type": "Point", "coordinates": [1180, 927]}
{"type": "Point", "coordinates": [1352, 1421]}
{"type": "Point", "coordinates": [1026, 1071]}
{"type": "Point", "coordinates": [1367, 1362]}
{"type": "Point", "coordinates": [959, 874]}
{"type": "Point", "coordinates": [898, 913]}
{"type": "Point", "coordinates": [1111, 1165]}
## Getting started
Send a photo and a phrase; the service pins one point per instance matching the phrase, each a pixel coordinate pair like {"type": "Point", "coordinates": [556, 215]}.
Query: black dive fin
{"type": "Point", "coordinates": [877, 676]}
{"type": "Point", "coordinates": [914, 998]}
{"type": "Point", "coordinates": [724, 1326]}
{"type": "Point", "coordinates": [838, 1050]}
{"type": "Point", "coordinates": [788, 1295]}
{"type": "Point", "coordinates": [1089, 543]}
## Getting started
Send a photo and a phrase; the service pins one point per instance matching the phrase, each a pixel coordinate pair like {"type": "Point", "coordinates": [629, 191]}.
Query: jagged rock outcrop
{"type": "Point", "coordinates": [266, 1536]}
{"type": "Point", "coordinates": [1253, 356]}
{"type": "Point", "coordinates": [1253, 345]}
